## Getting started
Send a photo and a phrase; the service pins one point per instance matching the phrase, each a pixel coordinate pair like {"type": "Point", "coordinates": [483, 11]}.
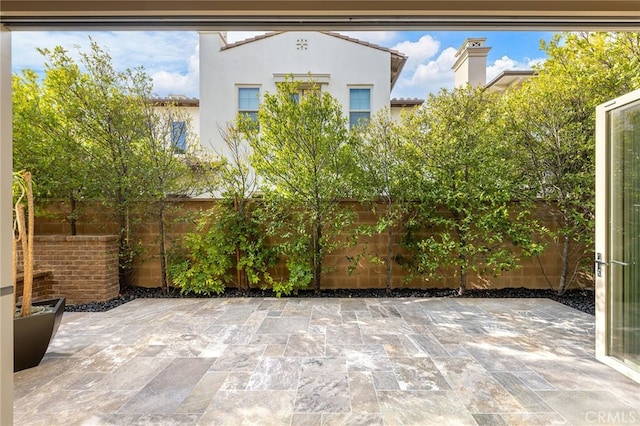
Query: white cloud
{"type": "Point", "coordinates": [418, 51]}
{"type": "Point", "coordinates": [24, 44]}
{"type": "Point", "coordinates": [427, 77]}
{"type": "Point", "coordinates": [176, 83]}
{"type": "Point", "coordinates": [426, 71]}
{"type": "Point", "coordinates": [423, 75]}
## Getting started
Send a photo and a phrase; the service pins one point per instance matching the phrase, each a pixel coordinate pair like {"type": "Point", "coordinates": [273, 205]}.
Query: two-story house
{"type": "Point", "coordinates": [235, 76]}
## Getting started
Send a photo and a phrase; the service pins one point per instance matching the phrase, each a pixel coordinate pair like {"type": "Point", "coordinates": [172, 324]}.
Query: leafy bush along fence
{"type": "Point", "coordinates": [354, 263]}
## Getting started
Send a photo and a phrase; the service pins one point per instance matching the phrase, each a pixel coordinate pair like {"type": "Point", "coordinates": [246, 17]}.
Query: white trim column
{"type": "Point", "coordinates": [601, 221]}
{"type": "Point", "coordinates": [6, 279]}
{"type": "Point", "coordinates": [604, 305]}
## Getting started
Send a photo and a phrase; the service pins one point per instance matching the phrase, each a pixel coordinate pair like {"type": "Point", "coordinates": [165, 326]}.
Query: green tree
{"type": "Point", "coordinates": [301, 150]}
{"type": "Point", "coordinates": [383, 179]}
{"type": "Point", "coordinates": [173, 166]}
{"type": "Point", "coordinates": [106, 109]}
{"type": "Point", "coordinates": [102, 140]}
{"type": "Point", "coordinates": [44, 140]}
{"type": "Point", "coordinates": [232, 231]}
{"type": "Point", "coordinates": [552, 120]}
{"type": "Point", "coordinates": [246, 212]}
{"type": "Point", "coordinates": [468, 187]}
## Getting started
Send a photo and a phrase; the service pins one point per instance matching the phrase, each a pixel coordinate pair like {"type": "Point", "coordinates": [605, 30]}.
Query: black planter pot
{"type": "Point", "coordinates": [32, 334]}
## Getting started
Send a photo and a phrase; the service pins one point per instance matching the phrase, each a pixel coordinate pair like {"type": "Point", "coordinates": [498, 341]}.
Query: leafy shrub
{"type": "Point", "coordinates": [206, 268]}
{"type": "Point", "coordinates": [224, 237]}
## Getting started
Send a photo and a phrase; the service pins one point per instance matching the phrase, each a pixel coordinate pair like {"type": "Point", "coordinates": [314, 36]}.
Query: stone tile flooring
{"type": "Point", "coordinates": [326, 362]}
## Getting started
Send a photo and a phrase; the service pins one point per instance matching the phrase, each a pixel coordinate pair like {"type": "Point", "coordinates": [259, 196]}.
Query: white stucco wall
{"type": "Point", "coordinates": [193, 114]}
{"type": "Point", "coordinates": [477, 72]}
{"type": "Point", "coordinates": [472, 70]}
{"type": "Point", "coordinates": [397, 112]}
{"type": "Point", "coordinates": [346, 64]}
{"type": "Point", "coordinates": [461, 75]}
{"type": "Point", "coordinates": [190, 114]}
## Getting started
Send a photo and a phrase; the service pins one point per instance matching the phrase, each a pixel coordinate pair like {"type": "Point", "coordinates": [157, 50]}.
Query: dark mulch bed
{"type": "Point", "coordinates": [582, 300]}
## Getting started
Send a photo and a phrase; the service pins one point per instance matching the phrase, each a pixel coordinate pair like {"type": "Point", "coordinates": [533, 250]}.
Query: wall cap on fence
{"type": "Point", "coordinates": [76, 238]}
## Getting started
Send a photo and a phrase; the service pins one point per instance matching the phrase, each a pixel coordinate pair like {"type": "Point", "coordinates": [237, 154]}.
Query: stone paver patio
{"type": "Point", "coordinates": [326, 362]}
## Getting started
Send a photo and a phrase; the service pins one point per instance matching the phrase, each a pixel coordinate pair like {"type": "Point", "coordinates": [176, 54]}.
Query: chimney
{"type": "Point", "coordinates": [471, 63]}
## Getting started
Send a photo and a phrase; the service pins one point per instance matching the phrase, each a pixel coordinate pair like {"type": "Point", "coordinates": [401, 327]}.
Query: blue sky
{"type": "Point", "coordinates": [171, 58]}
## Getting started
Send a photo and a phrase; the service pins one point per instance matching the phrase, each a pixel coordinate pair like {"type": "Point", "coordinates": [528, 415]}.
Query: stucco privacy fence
{"type": "Point", "coordinates": [85, 267]}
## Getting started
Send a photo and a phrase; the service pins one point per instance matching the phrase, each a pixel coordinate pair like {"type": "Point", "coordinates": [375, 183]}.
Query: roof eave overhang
{"type": "Point", "coordinates": [322, 14]}
{"type": "Point", "coordinates": [398, 62]}
{"type": "Point", "coordinates": [267, 23]}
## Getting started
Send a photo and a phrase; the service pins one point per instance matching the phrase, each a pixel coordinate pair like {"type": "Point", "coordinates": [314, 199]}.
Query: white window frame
{"type": "Point", "coordinates": [359, 111]}
{"type": "Point", "coordinates": [250, 112]}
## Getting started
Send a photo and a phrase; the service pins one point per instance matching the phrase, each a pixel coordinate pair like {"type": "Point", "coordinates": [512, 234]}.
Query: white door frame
{"type": "Point", "coordinates": [602, 233]}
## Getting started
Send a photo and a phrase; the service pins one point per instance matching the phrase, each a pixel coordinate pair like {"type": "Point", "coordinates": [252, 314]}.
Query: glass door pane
{"type": "Point", "coordinates": [624, 235]}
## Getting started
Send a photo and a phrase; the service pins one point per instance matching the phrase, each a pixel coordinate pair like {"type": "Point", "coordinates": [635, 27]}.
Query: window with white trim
{"type": "Point", "coordinates": [249, 101]}
{"type": "Point", "coordinates": [359, 106]}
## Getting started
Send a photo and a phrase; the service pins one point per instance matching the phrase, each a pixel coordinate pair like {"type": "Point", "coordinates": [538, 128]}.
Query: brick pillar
{"type": "Point", "coordinates": [84, 267]}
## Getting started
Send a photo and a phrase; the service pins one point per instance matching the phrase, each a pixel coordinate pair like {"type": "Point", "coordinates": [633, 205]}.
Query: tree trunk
{"type": "Point", "coordinates": [125, 252]}
{"type": "Point", "coordinates": [243, 282]}
{"type": "Point", "coordinates": [122, 222]}
{"type": "Point", "coordinates": [242, 285]}
{"type": "Point", "coordinates": [317, 256]}
{"type": "Point", "coordinates": [462, 242]}
{"type": "Point", "coordinates": [23, 241]}
{"type": "Point", "coordinates": [163, 249]}
{"type": "Point", "coordinates": [463, 280]}
{"type": "Point", "coordinates": [565, 265]}
{"type": "Point", "coordinates": [389, 258]}
{"type": "Point", "coordinates": [27, 254]}
{"type": "Point", "coordinates": [73, 218]}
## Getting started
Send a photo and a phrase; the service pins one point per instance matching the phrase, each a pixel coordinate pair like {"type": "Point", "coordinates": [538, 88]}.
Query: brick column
{"type": "Point", "coordinates": [84, 267]}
